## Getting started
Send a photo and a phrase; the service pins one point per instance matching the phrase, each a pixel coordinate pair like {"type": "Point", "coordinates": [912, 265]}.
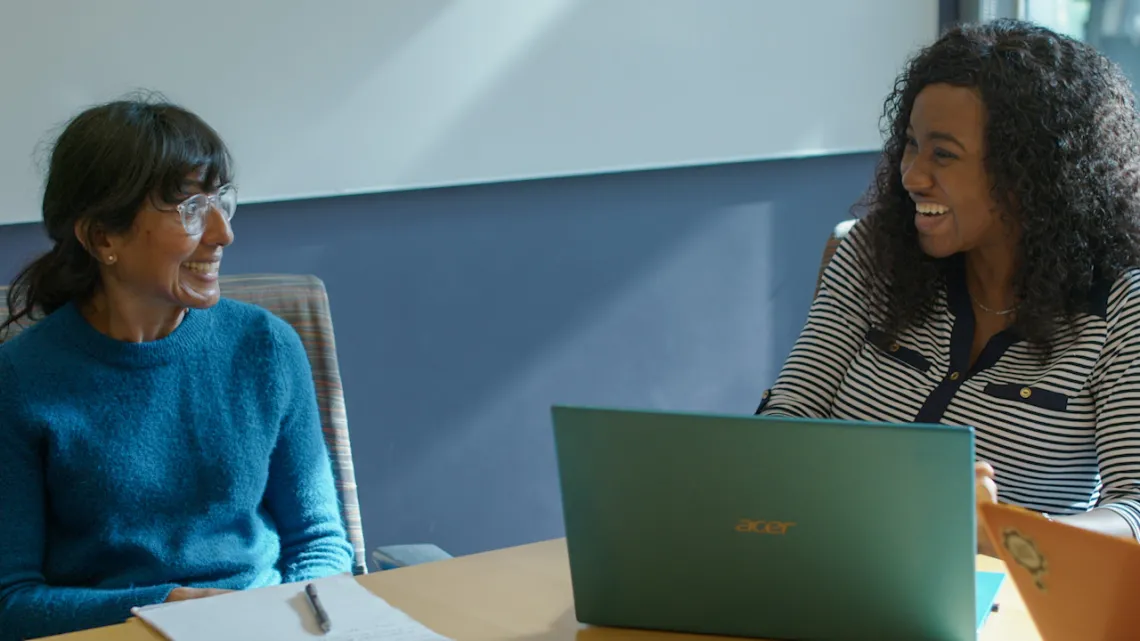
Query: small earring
{"type": "Point", "coordinates": [111, 259]}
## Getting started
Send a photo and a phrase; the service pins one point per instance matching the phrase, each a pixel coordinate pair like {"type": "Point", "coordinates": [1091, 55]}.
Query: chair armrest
{"type": "Point", "coordinates": [390, 557]}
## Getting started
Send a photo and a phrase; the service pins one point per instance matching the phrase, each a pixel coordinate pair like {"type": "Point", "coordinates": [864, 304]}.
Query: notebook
{"type": "Point", "coordinates": [283, 613]}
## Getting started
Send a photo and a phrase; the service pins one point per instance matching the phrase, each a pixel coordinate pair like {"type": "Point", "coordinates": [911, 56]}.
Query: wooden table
{"type": "Point", "coordinates": [523, 594]}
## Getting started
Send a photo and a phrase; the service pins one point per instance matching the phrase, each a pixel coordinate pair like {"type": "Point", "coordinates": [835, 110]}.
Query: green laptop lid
{"type": "Point", "coordinates": [766, 527]}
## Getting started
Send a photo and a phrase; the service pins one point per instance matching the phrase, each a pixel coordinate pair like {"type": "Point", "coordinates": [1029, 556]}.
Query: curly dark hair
{"type": "Point", "coordinates": [1062, 152]}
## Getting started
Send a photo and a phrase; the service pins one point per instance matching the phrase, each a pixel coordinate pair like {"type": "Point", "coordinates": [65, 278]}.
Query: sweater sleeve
{"type": "Point", "coordinates": [1116, 393]}
{"type": "Point", "coordinates": [836, 327]}
{"type": "Point", "coordinates": [30, 607]}
{"type": "Point", "coordinates": [301, 493]}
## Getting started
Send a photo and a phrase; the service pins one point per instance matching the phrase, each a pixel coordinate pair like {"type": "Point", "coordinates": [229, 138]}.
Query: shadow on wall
{"type": "Point", "coordinates": [462, 314]}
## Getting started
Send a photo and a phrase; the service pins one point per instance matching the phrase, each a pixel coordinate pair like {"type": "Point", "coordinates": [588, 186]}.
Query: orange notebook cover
{"type": "Point", "coordinates": [1077, 585]}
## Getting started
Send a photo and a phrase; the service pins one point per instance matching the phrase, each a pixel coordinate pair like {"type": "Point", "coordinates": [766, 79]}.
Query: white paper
{"type": "Point", "coordinates": [283, 613]}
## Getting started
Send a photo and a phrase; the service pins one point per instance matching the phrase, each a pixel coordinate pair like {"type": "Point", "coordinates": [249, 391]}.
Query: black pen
{"type": "Point", "coordinates": [315, 601]}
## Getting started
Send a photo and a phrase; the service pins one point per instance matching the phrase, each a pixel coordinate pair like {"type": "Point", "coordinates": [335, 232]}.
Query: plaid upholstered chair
{"type": "Point", "coordinates": [303, 302]}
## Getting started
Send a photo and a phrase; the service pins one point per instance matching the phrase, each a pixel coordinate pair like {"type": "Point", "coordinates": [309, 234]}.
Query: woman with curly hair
{"type": "Point", "coordinates": [993, 281]}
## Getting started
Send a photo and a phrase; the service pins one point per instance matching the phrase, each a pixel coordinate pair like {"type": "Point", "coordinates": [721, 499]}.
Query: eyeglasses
{"type": "Point", "coordinates": [195, 209]}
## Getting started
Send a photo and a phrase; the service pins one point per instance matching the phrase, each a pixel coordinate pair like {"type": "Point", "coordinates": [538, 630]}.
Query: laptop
{"type": "Point", "coordinates": [769, 527]}
{"type": "Point", "coordinates": [1076, 584]}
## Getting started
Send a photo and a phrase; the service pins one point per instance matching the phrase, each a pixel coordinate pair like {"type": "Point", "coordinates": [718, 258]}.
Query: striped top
{"type": "Point", "coordinates": [1063, 435]}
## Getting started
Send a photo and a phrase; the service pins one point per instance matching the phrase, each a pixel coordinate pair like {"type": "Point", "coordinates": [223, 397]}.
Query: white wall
{"type": "Point", "coordinates": [352, 96]}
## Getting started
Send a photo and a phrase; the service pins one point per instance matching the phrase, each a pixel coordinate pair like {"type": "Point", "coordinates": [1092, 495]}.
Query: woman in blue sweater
{"type": "Point", "coordinates": [157, 442]}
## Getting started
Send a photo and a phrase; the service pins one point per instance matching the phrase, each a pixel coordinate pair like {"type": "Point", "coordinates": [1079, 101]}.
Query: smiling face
{"type": "Point", "coordinates": [944, 171]}
{"type": "Point", "coordinates": [159, 264]}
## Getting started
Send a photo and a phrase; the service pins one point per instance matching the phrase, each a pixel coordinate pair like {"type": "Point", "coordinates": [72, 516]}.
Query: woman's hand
{"type": "Point", "coordinates": [985, 491]}
{"type": "Point", "coordinates": [186, 594]}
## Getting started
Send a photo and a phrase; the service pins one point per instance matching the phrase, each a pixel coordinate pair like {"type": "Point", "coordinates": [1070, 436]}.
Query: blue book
{"type": "Point", "coordinates": [986, 591]}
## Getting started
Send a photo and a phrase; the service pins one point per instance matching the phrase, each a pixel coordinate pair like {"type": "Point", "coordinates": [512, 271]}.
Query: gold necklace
{"type": "Point", "coordinates": [992, 311]}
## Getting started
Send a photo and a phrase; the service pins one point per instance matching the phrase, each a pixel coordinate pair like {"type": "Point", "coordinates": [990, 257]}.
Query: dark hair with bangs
{"type": "Point", "coordinates": [109, 160]}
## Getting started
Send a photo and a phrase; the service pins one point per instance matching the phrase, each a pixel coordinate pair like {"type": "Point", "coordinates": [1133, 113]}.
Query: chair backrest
{"type": "Point", "coordinates": [837, 235]}
{"type": "Point", "coordinates": [303, 302]}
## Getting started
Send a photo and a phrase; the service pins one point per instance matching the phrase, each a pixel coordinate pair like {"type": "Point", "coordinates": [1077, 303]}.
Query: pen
{"type": "Point", "coordinates": [315, 601]}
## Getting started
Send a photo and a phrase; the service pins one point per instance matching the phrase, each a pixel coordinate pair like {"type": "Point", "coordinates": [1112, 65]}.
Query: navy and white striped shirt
{"type": "Point", "coordinates": [1063, 435]}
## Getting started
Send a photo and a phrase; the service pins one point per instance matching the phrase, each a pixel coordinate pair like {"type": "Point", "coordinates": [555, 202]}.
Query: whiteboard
{"type": "Point", "coordinates": [357, 96]}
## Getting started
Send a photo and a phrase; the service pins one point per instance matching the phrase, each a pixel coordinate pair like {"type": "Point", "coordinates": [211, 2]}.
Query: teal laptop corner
{"type": "Point", "coordinates": [985, 594]}
{"type": "Point", "coordinates": [769, 527]}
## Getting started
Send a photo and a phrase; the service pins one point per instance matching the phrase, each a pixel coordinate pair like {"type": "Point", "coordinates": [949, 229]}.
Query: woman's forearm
{"type": "Point", "coordinates": [1101, 520]}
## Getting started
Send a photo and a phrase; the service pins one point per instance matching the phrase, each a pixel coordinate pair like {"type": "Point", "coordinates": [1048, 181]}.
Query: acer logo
{"type": "Point", "coordinates": [748, 526]}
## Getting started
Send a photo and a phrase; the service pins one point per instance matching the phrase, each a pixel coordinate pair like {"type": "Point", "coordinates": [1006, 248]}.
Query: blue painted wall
{"type": "Point", "coordinates": [462, 314]}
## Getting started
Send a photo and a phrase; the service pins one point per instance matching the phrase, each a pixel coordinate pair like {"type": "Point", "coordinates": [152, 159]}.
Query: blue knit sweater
{"type": "Point", "coordinates": [127, 470]}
